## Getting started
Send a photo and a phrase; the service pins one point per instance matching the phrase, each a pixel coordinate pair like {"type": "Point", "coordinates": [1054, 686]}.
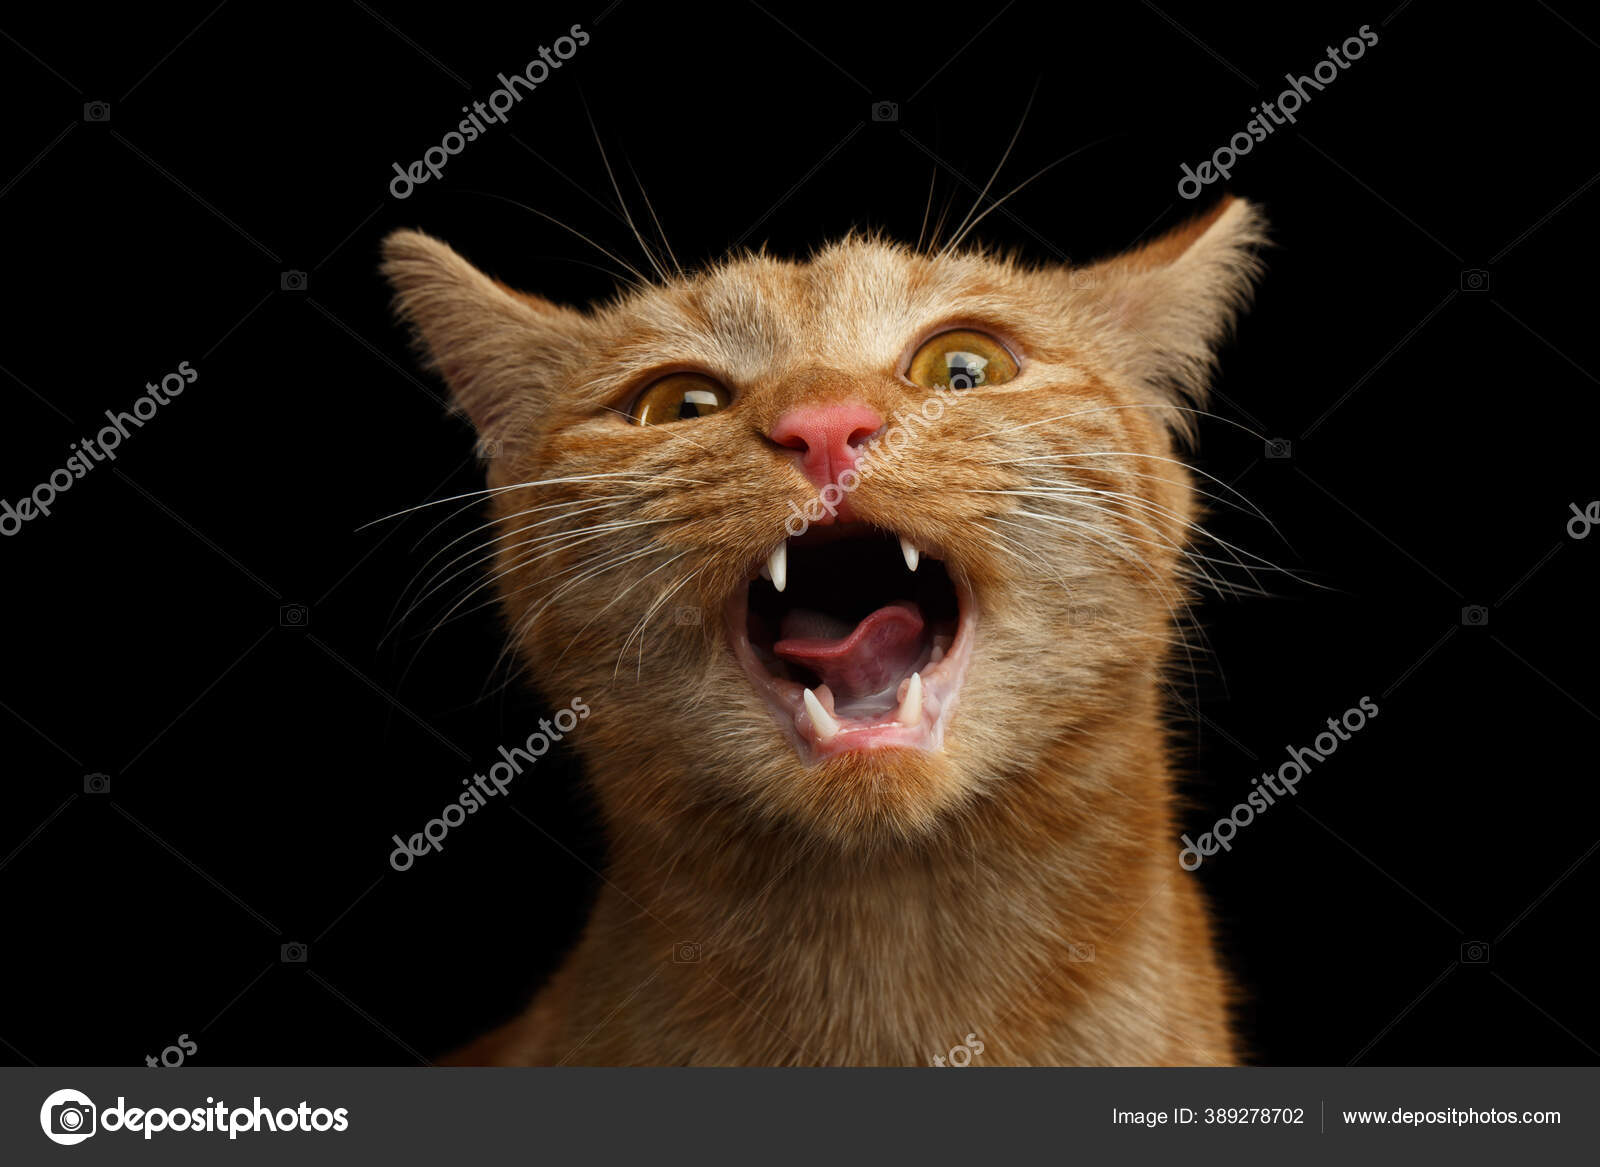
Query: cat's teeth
{"type": "Point", "coordinates": [821, 720]}
{"type": "Point", "coordinates": [778, 565]}
{"type": "Point", "coordinates": [910, 552]}
{"type": "Point", "coordinates": [910, 713]}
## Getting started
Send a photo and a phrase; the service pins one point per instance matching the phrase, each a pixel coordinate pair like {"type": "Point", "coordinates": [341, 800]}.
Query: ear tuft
{"type": "Point", "coordinates": [490, 344]}
{"type": "Point", "coordinates": [1173, 300]}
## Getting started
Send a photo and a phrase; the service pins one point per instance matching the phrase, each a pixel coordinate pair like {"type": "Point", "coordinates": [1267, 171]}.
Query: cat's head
{"type": "Point", "coordinates": [962, 471]}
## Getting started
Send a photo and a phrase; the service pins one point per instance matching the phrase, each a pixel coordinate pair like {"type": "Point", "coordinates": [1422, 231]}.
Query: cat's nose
{"type": "Point", "coordinates": [828, 437]}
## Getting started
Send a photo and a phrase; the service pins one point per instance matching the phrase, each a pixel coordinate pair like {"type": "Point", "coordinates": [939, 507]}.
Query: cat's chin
{"type": "Point", "coordinates": [859, 652]}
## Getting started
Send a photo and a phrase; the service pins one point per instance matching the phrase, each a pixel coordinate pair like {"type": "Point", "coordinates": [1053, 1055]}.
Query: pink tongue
{"type": "Point", "coordinates": [879, 652]}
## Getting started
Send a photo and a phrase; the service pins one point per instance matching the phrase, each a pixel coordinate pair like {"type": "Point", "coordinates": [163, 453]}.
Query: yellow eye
{"type": "Point", "coordinates": [961, 359]}
{"type": "Point", "coordinates": [679, 396]}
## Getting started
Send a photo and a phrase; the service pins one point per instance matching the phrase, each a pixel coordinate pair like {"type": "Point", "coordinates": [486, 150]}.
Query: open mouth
{"type": "Point", "coordinates": [855, 638]}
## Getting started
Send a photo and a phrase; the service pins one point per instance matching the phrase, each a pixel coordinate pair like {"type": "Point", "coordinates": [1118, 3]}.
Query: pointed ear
{"type": "Point", "coordinates": [491, 345]}
{"type": "Point", "coordinates": [1169, 302]}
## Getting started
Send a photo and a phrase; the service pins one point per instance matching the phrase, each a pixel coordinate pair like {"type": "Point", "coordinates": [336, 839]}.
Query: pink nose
{"type": "Point", "coordinates": [828, 436]}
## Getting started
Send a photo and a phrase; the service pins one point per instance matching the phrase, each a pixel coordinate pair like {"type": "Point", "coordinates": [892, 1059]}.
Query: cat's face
{"type": "Point", "coordinates": [962, 472]}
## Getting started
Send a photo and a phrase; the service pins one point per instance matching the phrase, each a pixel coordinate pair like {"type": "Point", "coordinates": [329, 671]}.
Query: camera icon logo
{"type": "Point", "coordinates": [97, 111]}
{"type": "Point", "coordinates": [686, 616]}
{"type": "Point", "coordinates": [964, 370]}
{"type": "Point", "coordinates": [1475, 952]}
{"type": "Point", "coordinates": [1080, 953]}
{"type": "Point", "coordinates": [1083, 615]}
{"type": "Point", "coordinates": [293, 281]}
{"type": "Point", "coordinates": [97, 783]}
{"type": "Point", "coordinates": [885, 111]}
{"type": "Point", "coordinates": [1279, 449]}
{"type": "Point", "coordinates": [293, 953]}
{"type": "Point", "coordinates": [686, 952]}
{"type": "Point", "coordinates": [68, 1117]}
{"type": "Point", "coordinates": [294, 616]}
{"type": "Point", "coordinates": [1474, 279]}
{"type": "Point", "coordinates": [1475, 616]}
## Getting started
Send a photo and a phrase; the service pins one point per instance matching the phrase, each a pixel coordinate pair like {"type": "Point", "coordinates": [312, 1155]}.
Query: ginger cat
{"type": "Point", "coordinates": [870, 568]}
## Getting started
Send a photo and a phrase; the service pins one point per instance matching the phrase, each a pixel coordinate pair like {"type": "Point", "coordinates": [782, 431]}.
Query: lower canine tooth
{"type": "Point", "coordinates": [910, 712]}
{"type": "Point", "coordinates": [911, 553]}
{"type": "Point", "coordinates": [821, 720]}
{"type": "Point", "coordinates": [778, 565]}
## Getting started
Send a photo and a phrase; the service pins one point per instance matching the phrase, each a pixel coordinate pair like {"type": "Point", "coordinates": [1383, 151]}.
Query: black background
{"type": "Point", "coordinates": [259, 766]}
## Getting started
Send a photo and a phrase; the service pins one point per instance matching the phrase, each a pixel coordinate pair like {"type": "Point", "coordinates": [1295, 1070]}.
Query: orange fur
{"type": "Point", "coordinates": [878, 907]}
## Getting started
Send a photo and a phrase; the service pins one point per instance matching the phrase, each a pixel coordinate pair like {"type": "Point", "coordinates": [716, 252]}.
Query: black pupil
{"type": "Point", "coordinates": [696, 403]}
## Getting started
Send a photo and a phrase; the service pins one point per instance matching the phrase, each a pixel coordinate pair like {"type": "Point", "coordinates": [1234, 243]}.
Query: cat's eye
{"type": "Point", "coordinates": [677, 397]}
{"type": "Point", "coordinates": [961, 359]}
